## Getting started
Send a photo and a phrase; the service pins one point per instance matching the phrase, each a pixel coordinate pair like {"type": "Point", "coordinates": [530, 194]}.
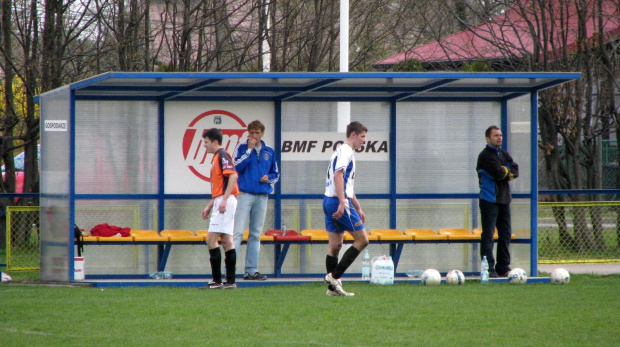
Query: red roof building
{"type": "Point", "coordinates": [510, 35]}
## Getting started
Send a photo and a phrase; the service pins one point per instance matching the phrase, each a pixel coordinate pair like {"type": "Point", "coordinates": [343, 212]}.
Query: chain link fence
{"type": "Point", "coordinates": [22, 238]}
{"type": "Point", "coordinates": [608, 169]}
{"type": "Point", "coordinates": [578, 232]}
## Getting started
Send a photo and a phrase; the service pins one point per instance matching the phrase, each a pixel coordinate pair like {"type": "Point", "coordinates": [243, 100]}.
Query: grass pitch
{"type": "Point", "coordinates": [585, 312]}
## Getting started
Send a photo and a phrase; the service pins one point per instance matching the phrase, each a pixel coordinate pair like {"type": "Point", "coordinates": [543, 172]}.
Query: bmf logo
{"type": "Point", "coordinates": [196, 156]}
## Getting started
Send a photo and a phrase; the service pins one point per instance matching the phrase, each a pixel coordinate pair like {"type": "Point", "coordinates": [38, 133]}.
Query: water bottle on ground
{"type": "Point", "coordinates": [414, 273]}
{"type": "Point", "coordinates": [484, 270]}
{"type": "Point", "coordinates": [366, 266]}
{"type": "Point", "coordinates": [165, 275]}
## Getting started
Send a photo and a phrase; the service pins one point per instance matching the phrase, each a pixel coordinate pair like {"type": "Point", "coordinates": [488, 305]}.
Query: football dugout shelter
{"type": "Point", "coordinates": [125, 149]}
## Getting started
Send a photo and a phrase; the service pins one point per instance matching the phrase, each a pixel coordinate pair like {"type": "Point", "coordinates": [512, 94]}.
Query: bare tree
{"type": "Point", "coordinates": [9, 120]}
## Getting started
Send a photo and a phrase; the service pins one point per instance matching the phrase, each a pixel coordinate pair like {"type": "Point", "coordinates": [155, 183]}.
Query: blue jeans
{"type": "Point", "coordinates": [252, 208]}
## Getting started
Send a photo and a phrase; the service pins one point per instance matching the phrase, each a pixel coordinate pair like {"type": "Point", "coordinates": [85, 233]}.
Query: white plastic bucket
{"type": "Point", "coordinates": [78, 268]}
{"type": "Point", "coordinates": [382, 271]}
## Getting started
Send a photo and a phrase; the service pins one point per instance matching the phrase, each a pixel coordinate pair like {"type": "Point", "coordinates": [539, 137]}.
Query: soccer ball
{"type": "Point", "coordinates": [517, 276]}
{"type": "Point", "coordinates": [6, 277]}
{"type": "Point", "coordinates": [431, 277]}
{"type": "Point", "coordinates": [455, 278]}
{"type": "Point", "coordinates": [560, 276]}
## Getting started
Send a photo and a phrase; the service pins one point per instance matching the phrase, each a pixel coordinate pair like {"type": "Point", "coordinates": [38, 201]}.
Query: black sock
{"type": "Point", "coordinates": [231, 262]}
{"type": "Point", "coordinates": [330, 265]}
{"type": "Point", "coordinates": [215, 257]}
{"type": "Point", "coordinates": [347, 259]}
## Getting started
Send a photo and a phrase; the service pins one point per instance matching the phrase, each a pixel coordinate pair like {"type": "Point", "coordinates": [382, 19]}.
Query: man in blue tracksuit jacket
{"type": "Point", "coordinates": [495, 169]}
{"type": "Point", "coordinates": [256, 166]}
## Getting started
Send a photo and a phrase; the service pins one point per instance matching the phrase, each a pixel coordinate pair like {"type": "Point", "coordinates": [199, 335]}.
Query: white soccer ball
{"type": "Point", "coordinates": [560, 276]}
{"type": "Point", "coordinates": [431, 277]}
{"type": "Point", "coordinates": [6, 277]}
{"type": "Point", "coordinates": [517, 276]}
{"type": "Point", "coordinates": [455, 278]}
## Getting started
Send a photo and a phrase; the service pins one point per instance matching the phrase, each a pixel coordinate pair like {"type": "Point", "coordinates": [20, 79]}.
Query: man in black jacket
{"type": "Point", "coordinates": [495, 169]}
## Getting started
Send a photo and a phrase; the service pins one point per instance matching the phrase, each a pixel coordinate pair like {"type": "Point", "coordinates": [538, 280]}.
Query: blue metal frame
{"type": "Point", "coordinates": [392, 165]}
{"type": "Point", "coordinates": [71, 184]}
{"type": "Point", "coordinates": [161, 205]}
{"type": "Point", "coordinates": [534, 184]}
{"type": "Point", "coordinates": [321, 87]}
{"type": "Point", "coordinates": [278, 149]}
{"type": "Point", "coordinates": [160, 150]}
{"type": "Point", "coordinates": [556, 77]}
{"type": "Point", "coordinates": [308, 85]}
{"type": "Point", "coordinates": [504, 123]}
{"type": "Point", "coordinates": [579, 191]}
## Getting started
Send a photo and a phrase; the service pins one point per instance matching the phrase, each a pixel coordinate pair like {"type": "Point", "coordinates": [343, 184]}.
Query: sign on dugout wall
{"type": "Point", "coordinates": [187, 164]}
{"type": "Point", "coordinates": [187, 161]}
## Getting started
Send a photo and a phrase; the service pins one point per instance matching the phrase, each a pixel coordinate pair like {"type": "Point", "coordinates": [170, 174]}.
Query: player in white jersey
{"type": "Point", "coordinates": [342, 159]}
{"type": "Point", "coordinates": [343, 211]}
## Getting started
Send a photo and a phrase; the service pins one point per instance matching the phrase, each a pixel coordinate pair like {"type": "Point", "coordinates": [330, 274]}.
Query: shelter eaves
{"type": "Point", "coordinates": [326, 87]}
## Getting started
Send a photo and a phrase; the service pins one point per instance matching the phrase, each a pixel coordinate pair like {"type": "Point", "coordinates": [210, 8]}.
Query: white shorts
{"type": "Point", "coordinates": [223, 222]}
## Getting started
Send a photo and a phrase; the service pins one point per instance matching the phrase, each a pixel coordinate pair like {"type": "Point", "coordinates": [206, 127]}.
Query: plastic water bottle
{"type": "Point", "coordinates": [484, 270]}
{"type": "Point", "coordinates": [283, 230]}
{"type": "Point", "coordinates": [414, 273]}
{"type": "Point", "coordinates": [366, 266]}
{"type": "Point", "coordinates": [164, 275]}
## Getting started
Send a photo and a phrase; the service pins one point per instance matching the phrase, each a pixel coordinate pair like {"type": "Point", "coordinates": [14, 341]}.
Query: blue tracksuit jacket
{"type": "Point", "coordinates": [251, 166]}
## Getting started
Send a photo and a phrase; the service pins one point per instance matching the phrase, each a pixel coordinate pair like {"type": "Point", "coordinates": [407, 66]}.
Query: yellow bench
{"type": "Point", "coordinates": [458, 234]}
{"type": "Point", "coordinates": [181, 235]}
{"type": "Point", "coordinates": [425, 234]}
{"type": "Point", "coordinates": [478, 231]}
{"type": "Point", "coordinates": [389, 235]}
{"type": "Point", "coordinates": [395, 238]}
{"type": "Point", "coordinates": [322, 235]}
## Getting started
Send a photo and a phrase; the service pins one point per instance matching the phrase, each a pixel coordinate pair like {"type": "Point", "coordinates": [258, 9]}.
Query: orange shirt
{"type": "Point", "coordinates": [222, 166]}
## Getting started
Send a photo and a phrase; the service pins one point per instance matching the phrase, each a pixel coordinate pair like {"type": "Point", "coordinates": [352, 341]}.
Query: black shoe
{"type": "Point", "coordinates": [257, 276]}
{"type": "Point", "coordinates": [493, 274]}
{"type": "Point", "coordinates": [214, 285]}
{"type": "Point", "coordinates": [505, 274]}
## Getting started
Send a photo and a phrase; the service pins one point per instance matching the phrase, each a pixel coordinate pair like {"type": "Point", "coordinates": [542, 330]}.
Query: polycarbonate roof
{"type": "Point", "coordinates": [380, 86]}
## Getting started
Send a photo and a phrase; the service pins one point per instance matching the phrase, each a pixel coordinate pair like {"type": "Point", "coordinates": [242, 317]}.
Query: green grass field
{"type": "Point", "coordinates": [584, 313]}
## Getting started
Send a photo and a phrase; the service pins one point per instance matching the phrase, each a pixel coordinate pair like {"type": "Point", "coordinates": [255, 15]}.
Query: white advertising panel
{"type": "Point", "coordinates": [187, 163]}
{"type": "Point", "coordinates": [297, 146]}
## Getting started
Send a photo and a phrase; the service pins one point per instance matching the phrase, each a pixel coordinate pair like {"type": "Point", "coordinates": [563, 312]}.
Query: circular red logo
{"type": "Point", "coordinates": [195, 154]}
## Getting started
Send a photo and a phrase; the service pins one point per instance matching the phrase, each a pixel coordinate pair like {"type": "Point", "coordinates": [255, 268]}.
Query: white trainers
{"type": "Point", "coordinates": [332, 281]}
{"type": "Point", "coordinates": [336, 285]}
{"type": "Point", "coordinates": [333, 293]}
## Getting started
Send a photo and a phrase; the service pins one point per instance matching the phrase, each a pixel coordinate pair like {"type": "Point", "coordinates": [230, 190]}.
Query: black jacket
{"type": "Point", "coordinates": [495, 168]}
